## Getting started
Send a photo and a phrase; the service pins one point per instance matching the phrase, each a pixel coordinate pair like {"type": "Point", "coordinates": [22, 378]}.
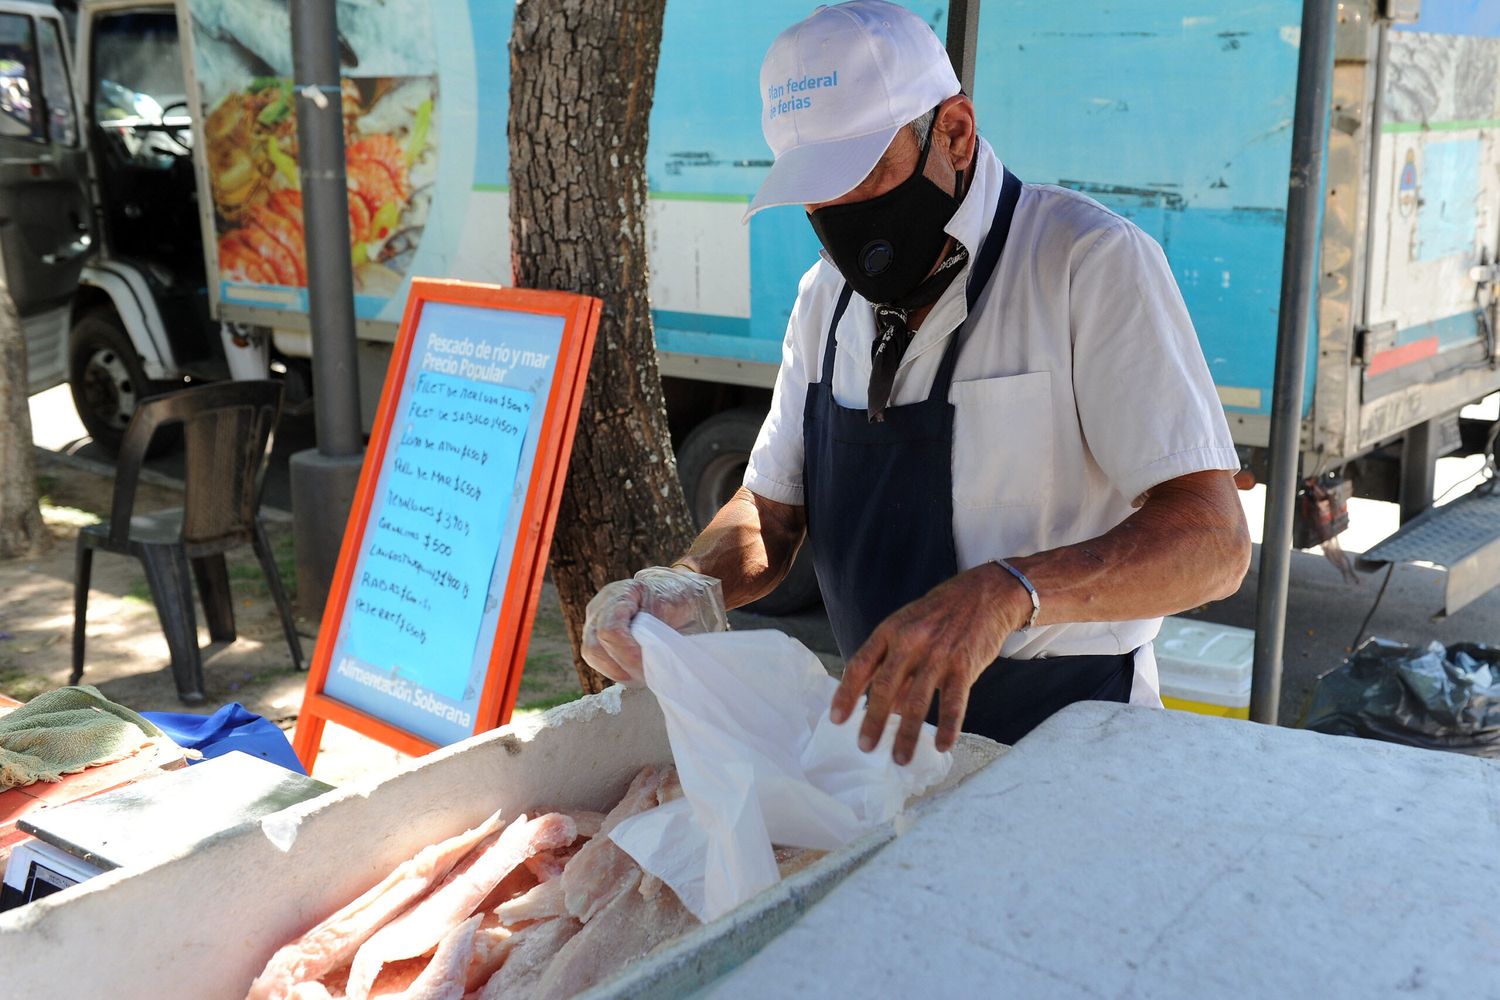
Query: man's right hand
{"type": "Point", "coordinates": [689, 602]}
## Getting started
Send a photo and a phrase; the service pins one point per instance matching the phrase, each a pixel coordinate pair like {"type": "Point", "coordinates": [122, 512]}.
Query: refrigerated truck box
{"type": "Point", "coordinates": [1205, 667]}
{"type": "Point", "coordinates": [202, 924]}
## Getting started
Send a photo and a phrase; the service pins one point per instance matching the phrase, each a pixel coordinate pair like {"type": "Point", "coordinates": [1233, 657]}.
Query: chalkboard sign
{"type": "Point", "coordinates": [428, 619]}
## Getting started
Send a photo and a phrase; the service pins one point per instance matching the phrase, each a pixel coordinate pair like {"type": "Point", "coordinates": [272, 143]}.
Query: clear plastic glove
{"type": "Point", "coordinates": [689, 602]}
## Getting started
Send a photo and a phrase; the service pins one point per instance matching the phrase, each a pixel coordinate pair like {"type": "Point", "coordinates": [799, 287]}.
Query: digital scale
{"type": "Point", "coordinates": [146, 822]}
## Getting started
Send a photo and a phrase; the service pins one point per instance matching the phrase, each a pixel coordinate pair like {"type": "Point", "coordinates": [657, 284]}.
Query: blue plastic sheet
{"type": "Point", "coordinates": [232, 727]}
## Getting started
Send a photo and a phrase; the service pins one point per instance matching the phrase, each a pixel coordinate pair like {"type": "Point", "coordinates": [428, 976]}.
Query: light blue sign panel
{"type": "Point", "coordinates": [438, 520]}
{"type": "Point", "coordinates": [1447, 218]}
{"type": "Point", "coordinates": [425, 597]}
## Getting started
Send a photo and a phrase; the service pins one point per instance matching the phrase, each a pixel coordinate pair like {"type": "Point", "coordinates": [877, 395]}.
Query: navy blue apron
{"type": "Point", "coordinates": [880, 524]}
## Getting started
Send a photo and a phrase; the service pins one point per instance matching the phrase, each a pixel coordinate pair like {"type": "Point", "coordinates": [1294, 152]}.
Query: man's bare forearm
{"type": "Point", "coordinates": [748, 546]}
{"type": "Point", "coordinates": [1186, 546]}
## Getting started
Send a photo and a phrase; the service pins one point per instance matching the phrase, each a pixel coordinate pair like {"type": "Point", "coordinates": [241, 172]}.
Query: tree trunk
{"type": "Point", "coordinates": [21, 529]}
{"type": "Point", "coordinates": [583, 73]}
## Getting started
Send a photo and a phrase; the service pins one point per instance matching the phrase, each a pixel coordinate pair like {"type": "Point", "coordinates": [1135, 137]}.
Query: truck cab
{"type": "Point", "coordinates": [141, 320]}
{"type": "Point", "coordinates": [103, 244]}
{"type": "Point", "coordinates": [46, 228]}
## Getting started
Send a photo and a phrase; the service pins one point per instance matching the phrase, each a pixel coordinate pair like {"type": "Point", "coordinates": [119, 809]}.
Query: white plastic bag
{"type": "Point", "coordinates": [760, 763]}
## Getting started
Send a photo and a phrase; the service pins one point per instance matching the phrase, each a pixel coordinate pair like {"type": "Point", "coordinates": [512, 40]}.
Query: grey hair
{"type": "Point", "coordinates": [920, 124]}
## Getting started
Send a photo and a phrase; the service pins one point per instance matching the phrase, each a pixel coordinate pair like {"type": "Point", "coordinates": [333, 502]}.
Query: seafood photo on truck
{"type": "Point", "coordinates": [251, 138]}
{"type": "Point", "coordinates": [251, 144]}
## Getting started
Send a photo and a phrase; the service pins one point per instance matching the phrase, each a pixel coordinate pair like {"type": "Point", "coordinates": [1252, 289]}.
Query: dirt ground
{"type": "Point", "coordinates": [126, 654]}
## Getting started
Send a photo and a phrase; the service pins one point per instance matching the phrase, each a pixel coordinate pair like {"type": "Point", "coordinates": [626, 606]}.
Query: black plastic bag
{"type": "Point", "coordinates": [1440, 698]}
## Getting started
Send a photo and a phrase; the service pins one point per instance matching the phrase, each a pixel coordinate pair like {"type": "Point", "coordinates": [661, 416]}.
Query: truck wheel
{"type": "Point", "coordinates": [107, 381]}
{"type": "Point", "coordinates": [711, 464]}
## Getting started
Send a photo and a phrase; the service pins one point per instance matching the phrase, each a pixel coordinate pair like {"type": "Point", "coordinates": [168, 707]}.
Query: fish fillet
{"type": "Point", "coordinates": [629, 927]}
{"type": "Point", "coordinates": [589, 823]}
{"type": "Point", "coordinates": [334, 942]}
{"type": "Point", "coordinates": [422, 926]}
{"type": "Point", "coordinates": [309, 991]}
{"type": "Point", "coordinates": [446, 976]}
{"type": "Point", "coordinates": [600, 868]}
{"type": "Point", "coordinates": [492, 943]}
{"type": "Point", "coordinates": [548, 865]}
{"type": "Point", "coordinates": [533, 951]}
{"type": "Point", "coordinates": [395, 979]}
{"type": "Point", "coordinates": [517, 883]}
{"type": "Point", "coordinates": [541, 903]}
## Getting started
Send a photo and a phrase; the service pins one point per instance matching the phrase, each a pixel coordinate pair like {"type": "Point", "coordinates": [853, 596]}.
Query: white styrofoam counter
{"type": "Point", "coordinates": [1128, 852]}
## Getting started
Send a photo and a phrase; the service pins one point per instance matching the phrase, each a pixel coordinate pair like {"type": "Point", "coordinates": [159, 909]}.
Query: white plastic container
{"type": "Point", "coordinates": [1204, 667]}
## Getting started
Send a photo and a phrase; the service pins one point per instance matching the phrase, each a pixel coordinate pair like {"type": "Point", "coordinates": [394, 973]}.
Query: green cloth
{"type": "Point", "coordinates": [63, 732]}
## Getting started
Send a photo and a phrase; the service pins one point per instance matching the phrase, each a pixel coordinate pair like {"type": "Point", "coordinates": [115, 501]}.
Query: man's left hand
{"type": "Point", "coordinates": [940, 642]}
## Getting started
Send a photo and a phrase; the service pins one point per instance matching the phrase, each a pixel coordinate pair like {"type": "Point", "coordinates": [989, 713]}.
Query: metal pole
{"type": "Point", "coordinates": [324, 479]}
{"type": "Point", "coordinates": [963, 36]}
{"type": "Point", "coordinates": [325, 212]}
{"type": "Point", "coordinates": [1299, 281]}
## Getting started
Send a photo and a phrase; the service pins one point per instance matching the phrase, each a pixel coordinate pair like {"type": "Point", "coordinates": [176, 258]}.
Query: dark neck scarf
{"type": "Point", "coordinates": [893, 335]}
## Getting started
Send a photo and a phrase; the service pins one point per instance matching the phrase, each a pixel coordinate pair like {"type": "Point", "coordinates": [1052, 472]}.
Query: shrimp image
{"type": "Point", "coordinates": [385, 150]}
{"type": "Point", "coordinates": [238, 261]}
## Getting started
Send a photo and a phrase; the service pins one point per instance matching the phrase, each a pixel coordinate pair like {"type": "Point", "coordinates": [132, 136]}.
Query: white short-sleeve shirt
{"type": "Point", "coordinates": [1080, 387]}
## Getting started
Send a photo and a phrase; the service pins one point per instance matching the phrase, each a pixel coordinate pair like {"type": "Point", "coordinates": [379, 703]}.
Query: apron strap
{"type": "Point", "coordinates": [979, 279]}
{"type": "Point", "coordinates": [832, 343]}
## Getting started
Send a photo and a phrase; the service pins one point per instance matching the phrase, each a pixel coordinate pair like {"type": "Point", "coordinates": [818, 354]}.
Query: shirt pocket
{"type": "Point", "coordinates": [1002, 441]}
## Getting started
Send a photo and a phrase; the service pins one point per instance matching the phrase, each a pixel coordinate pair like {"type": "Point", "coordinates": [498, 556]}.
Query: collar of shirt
{"type": "Point", "coordinates": [969, 225]}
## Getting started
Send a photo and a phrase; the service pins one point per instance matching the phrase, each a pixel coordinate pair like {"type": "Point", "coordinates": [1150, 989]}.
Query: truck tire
{"type": "Point", "coordinates": [711, 464]}
{"type": "Point", "coordinates": [107, 381]}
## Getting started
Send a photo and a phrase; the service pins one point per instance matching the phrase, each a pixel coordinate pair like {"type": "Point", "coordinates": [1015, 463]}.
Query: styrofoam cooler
{"type": "Point", "coordinates": [203, 921]}
{"type": "Point", "coordinates": [1205, 667]}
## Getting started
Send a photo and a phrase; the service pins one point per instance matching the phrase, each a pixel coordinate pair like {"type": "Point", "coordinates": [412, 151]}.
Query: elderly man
{"type": "Point", "coordinates": [992, 424]}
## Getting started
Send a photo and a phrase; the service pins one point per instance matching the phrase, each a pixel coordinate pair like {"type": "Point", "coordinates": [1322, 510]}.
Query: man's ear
{"type": "Point", "coordinates": [955, 122]}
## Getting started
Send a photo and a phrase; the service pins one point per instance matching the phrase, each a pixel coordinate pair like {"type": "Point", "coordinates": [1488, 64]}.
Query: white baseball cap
{"type": "Point", "coordinates": [836, 88]}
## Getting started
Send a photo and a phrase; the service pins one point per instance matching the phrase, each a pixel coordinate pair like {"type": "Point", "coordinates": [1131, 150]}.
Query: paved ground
{"type": "Point", "coordinates": [1323, 617]}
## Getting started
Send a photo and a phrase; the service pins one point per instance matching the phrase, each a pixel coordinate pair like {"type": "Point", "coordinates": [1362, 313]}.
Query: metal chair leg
{"type": "Point", "coordinates": [82, 570]}
{"type": "Point", "coordinates": [212, 575]}
{"type": "Point", "coordinates": [278, 593]}
{"type": "Point", "coordinates": [171, 584]}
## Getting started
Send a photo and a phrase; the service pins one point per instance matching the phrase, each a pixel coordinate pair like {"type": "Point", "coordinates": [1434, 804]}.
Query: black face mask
{"type": "Point", "coordinates": [885, 246]}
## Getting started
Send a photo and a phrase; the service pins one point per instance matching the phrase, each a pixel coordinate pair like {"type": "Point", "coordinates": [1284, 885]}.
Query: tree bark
{"type": "Point", "coordinates": [583, 74]}
{"type": "Point", "coordinates": [21, 529]}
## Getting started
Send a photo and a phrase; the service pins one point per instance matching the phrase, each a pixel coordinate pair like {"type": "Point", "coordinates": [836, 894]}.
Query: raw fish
{"type": "Point", "coordinates": [492, 943]}
{"type": "Point", "coordinates": [334, 942]}
{"type": "Point", "coordinates": [541, 903]}
{"type": "Point", "coordinates": [629, 927]}
{"type": "Point", "coordinates": [548, 865]}
{"type": "Point", "coordinates": [447, 974]}
{"type": "Point", "coordinates": [395, 979]}
{"type": "Point", "coordinates": [533, 950]}
{"type": "Point", "coordinates": [422, 926]}
{"type": "Point", "coordinates": [601, 869]}
{"type": "Point", "coordinates": [310, 991]}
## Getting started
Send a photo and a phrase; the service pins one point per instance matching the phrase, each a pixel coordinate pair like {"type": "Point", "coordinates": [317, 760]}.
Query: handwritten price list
{"type": "Point", "coordinates": [441, 505]}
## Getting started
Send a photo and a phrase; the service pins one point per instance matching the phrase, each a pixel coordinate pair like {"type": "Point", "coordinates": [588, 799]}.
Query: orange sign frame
{"type": "Point", "coordinates": [580, 315]}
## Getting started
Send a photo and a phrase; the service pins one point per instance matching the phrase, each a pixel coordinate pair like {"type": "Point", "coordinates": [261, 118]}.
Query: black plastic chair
{"type": "Point", "coordinates": [227, 430]}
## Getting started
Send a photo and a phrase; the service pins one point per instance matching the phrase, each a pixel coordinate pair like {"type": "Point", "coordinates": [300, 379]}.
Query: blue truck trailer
{"type": "Point", "coordinates": [1175, 113]}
